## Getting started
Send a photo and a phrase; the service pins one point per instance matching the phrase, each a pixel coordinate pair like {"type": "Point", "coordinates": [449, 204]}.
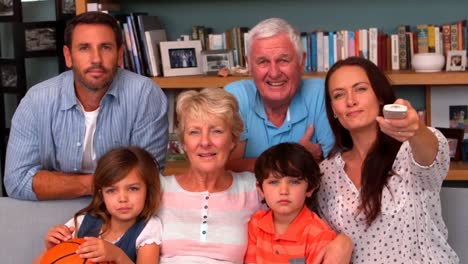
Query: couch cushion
{"type": "Point", "coordinates": [24, 224]}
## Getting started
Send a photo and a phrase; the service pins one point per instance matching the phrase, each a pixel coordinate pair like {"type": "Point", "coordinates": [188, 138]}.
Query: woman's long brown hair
{"type": "Point", "coordinates": [377, 166]}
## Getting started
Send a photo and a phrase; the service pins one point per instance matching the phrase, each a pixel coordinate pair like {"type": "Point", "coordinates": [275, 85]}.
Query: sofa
{"type": "Point", "coordinates": [25, 223]}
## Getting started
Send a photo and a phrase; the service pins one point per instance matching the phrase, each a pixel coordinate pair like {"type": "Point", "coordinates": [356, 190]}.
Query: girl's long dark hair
{"type": "Point", "coordinates": [377, 166]}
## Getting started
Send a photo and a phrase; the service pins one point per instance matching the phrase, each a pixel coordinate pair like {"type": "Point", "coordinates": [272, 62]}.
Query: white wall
{"type": "Point", "coordinates": [455, 213]}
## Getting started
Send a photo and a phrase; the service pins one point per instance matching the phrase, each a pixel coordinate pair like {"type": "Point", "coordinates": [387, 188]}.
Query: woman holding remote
{"type": "Point", "coordinates": [382, 180]}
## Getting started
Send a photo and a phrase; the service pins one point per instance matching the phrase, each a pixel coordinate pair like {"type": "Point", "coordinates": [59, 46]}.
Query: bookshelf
{"type": "Point", "coordinates": [395, 77]}
{"type": "Point", "coordinates": [458, 170]}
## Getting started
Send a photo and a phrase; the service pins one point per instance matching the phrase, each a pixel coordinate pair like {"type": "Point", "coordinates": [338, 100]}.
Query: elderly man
{"type": "Point", "coordinates": [65, 124]}
{"type": "Point", "coordinates": [278, 106]}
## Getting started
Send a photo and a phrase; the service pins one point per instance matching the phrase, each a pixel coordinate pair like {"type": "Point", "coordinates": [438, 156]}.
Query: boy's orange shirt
{"type": "Point", "coordinates": [303, 239]}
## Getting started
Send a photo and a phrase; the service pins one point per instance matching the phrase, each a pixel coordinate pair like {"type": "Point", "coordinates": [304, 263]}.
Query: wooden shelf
{"type": "Point", "coordinates": [458, 170]}
{"type": "Point", "coordinates": [395, 77]}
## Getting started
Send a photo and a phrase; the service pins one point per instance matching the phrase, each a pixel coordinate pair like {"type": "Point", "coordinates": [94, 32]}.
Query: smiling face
{"type": "Point", "coordinates": [285, 195]}
{"type": "Point", "coordinates": [276, 69]}
{"type": "Point", "coordinates": [93, 56]}
{"type": "Point", "coordinates": [352, 98]}
{"type": "Point", "coordinates": [207, 143]}
{"type": "Point", "coordinates": [125, 199]}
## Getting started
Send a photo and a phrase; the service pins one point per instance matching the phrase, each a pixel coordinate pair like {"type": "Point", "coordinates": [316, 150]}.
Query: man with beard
{"type": "Point", "coordinates": [65, 124]}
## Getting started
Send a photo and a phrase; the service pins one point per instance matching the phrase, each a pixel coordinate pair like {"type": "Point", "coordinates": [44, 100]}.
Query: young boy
{"type": "Point", "coordinates": [287, 175]}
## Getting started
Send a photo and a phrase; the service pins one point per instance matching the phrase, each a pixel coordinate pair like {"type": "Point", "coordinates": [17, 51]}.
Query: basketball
{"type": "Point", "coordinates": [64, 253]}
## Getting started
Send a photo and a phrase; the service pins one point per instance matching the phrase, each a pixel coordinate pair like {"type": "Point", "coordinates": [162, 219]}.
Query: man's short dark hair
{"type": "Point", "coordinates": [91, 18]}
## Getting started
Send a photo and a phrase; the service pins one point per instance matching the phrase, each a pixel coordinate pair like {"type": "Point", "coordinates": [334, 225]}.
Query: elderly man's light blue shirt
{"type": "Point", "coordinates": [307, 108]}
{"type": "Point", "coordinates": [48, 127]}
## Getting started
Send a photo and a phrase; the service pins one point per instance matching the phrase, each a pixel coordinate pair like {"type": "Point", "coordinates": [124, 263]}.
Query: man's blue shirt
{"type": "Point", "coordinates": [48, 127]}
{"type": "Point", "coordinates": [306, 108]}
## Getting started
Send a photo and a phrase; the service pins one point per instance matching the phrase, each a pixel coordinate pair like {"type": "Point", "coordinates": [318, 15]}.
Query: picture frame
{"type": "Point", "coordinates": [181, 57]}
{"type": "Point", "coordinates": [12, 76]}
{"type": "Point", "coordinates": [39, 39]}
{"type": "Point", "coordinates": [10, 11]}
{"type": "Point", "coordinates": [456, 60]}
{"type": "Point", "coordinates": [214, 60]}
{"type": "Point", "coordinates": [455, 138]}
{"type": "Point", "coordinates": [65, 9]}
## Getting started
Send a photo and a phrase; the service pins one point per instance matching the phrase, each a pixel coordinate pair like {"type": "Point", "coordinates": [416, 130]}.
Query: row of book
{"type": "Point", "coordinates": [388, 51]}
{"type": "Point", "coordinates": [142, 35]}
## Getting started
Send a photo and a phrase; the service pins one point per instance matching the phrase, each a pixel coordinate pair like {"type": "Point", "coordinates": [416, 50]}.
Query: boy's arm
{"type": "Point", "coordinates": [251, 253]}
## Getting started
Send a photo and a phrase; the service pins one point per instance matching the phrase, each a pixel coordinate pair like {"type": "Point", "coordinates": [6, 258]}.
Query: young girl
{"type": "Point", "coordinates": [119, 224]}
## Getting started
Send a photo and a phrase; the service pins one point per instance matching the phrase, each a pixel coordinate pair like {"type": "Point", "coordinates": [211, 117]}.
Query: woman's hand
{"type": "Point", "coordinates": [338, 251]}
{"type": "Point", "coordinates": [423, 142]}
{"type": "Point", "coordinates": [99, 250]}
{"type": "Point", "coordinates": [57, 235]}
{"type": "Point", "coordinates": [401, 129]}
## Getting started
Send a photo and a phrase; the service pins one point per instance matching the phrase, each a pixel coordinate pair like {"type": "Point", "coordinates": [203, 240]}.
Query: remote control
{"type": "Point", "coordinates": [394, 111]}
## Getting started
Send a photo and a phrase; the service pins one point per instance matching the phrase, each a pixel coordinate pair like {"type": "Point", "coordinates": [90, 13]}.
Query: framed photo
{"type": "Point", "coordinates": [456, 60]}
{"type": "Point", "coordinates": [38, 39]}
{"type": "Point", "coordinates": [65, 9]}
{"type": "Point", "coordinates": [12, 76]}
{"type": "Point", "coordinates": [214, 60]}
{"type": "Point", "coordinates": [10, 11]}
{"type": "Point", "coordinates": [181, 57]}
{"type": "Point", "coordinates": [454, 137]}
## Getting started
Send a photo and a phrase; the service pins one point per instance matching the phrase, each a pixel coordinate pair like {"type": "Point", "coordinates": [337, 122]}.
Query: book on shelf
{"type": "Point", "coordinates": [438, 40]}
{"type": "Point", "coordinates": [153, 38]}
{"type": "Point", "coordinates": [453, 37]}
{"type": "Point", "coordinates": [134, 46]}
{"type": "Point", "coordinates": [152, 24]}
{"type": "Point", "coordinates": [402, 48]}
{"type": "Point", "coordinates": [422, 33]}
{"type": "Point", "coordinates": [128, 49]}
{"type": "Point", "coordinates": [138, 35]}
{"type": "Point", "coordinates": [326, 52]}
{"type": "Point", "coordinates": [305, 42]}
{"type": "Point", "coordinates": [395, 56]}
{"type": "Point", "coordinates": [364, 43]}
{"type": "Point", "coordinates": [373, 45]}
{"type": "Point", "coordinates": [446, 38]}
{"type": "Point", "coordinates": [331, 48]}
{"type": "Point", "coordinates": [461, 24]}
{"type": "Point", "coordinates": [431, 46]}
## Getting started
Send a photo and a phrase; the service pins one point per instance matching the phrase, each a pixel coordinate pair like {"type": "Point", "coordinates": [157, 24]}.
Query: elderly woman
{"type": "Point", "coordinates": [206, 210]}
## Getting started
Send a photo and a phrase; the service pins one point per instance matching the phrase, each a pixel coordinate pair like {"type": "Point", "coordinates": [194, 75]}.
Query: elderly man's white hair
{"type": "Point", "coordinates": [271, 27]}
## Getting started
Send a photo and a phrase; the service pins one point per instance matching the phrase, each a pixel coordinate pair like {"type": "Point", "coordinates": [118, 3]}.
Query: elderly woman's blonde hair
{"type": "Point", "coordinates": [200, 105]}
